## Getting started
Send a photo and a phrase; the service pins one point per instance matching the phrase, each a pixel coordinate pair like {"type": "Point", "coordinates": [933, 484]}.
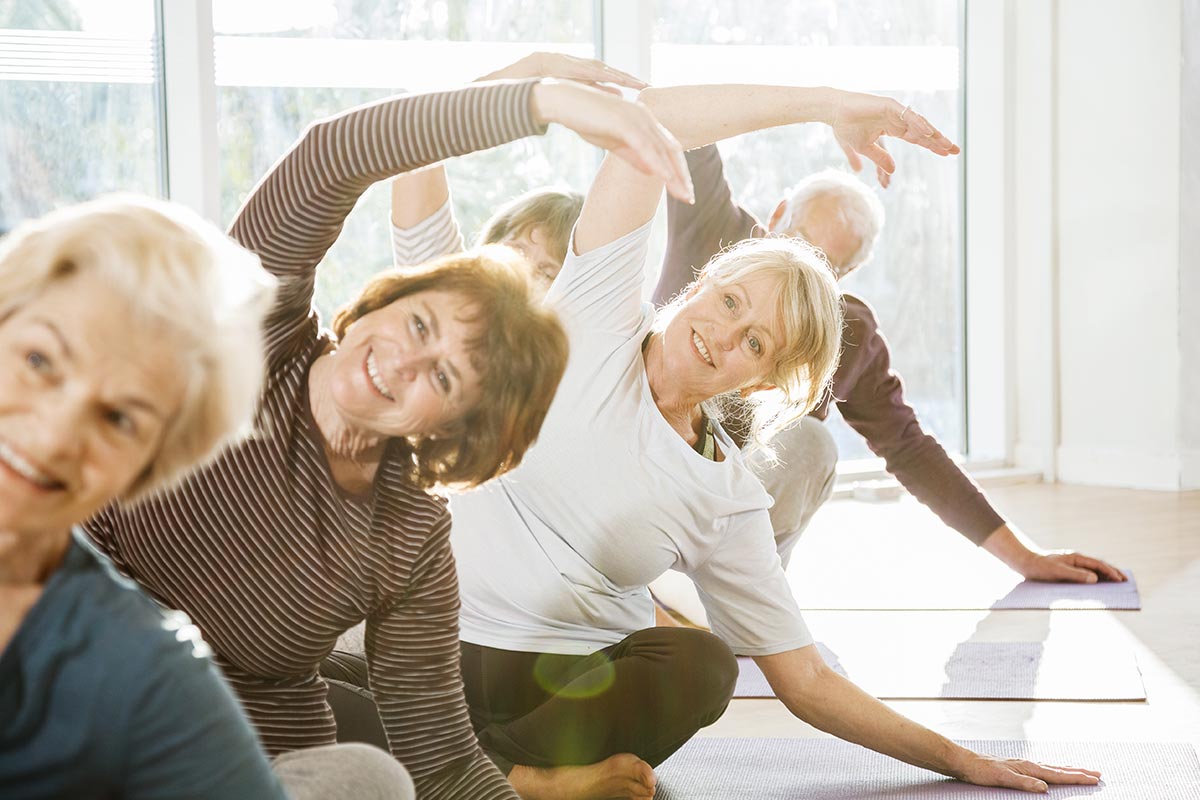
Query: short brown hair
{"type": "Point", "coordinates": [552, 211]}
{"type": "Point", "coordinates": [519, 349]}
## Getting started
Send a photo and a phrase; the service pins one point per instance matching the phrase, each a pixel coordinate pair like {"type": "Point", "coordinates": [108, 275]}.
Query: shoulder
{"type": "Point", "coordinates": [407, 512]}
{"type": "Point", "coordinates": [860, 315]}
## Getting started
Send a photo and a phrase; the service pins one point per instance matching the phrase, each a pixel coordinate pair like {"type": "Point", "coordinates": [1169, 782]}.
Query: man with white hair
{"type": "Point", "coordinates": [839, 214]}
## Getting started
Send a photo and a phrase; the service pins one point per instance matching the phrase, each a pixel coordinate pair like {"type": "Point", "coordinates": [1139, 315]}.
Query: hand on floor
{"type": "Point", "coordinates": [1028, 776]}
{"type": "Point", "coordinates": [1069, 567]}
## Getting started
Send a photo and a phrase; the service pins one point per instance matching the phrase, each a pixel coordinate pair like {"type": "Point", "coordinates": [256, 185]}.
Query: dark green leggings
{"type": "Point", "coordinates": [645, 695]}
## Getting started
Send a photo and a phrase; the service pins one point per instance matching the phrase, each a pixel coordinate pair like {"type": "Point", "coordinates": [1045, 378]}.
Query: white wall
{"type": "Point", "coordinates": [1104, 394]}
{"type": "Point", "coordinates": [1189, 246]}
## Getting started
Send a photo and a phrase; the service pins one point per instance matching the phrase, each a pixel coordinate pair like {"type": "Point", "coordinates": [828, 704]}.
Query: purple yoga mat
{"type": "Point", "coordinates": [828, 769]}
{"type": "Point", "coordinates": [892, 594]}
{"type": "Point", "coordinates": [982, 671]}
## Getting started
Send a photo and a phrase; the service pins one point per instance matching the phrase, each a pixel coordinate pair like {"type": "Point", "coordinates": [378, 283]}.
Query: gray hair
{"type": "Point", "coordinates": [185, 278]}
{"type": "Point", "coordinates": [859, 206]}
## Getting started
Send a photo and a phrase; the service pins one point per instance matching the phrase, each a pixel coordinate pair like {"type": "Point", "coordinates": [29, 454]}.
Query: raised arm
{"type": "Point", "coordinates": [818, 695]}
{"type": "Point", "coordinates": [419, 195]}
{"type": "Point", "coordinates": [620, 200]}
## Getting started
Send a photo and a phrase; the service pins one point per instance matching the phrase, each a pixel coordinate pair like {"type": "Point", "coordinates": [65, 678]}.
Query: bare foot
{"type": "Point", "coordinates": [623, 775]}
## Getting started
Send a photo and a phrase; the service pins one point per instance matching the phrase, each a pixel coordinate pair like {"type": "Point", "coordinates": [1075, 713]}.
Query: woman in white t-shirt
{"type": "Point", "coordinates": [570, 690]}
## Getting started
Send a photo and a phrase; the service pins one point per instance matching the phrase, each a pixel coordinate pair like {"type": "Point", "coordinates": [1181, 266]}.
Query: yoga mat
{"type": "Point", "coordinates": [981, 671]}
{"type": "Point", "coordinates": [896, 594]}
{"type": "Point", "coordinates": [828, 769]}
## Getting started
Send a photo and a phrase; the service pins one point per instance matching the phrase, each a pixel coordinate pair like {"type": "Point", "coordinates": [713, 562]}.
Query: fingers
{"type": "Point", "coordinates": [1069, 574]}
{"type": "Point", "coordinates": [882, 158]}
{"type": "Point", "coordinates": [1103, 569]}
{"type": "Point", "coordinates": [593, 70]}
{"type": "Point", "coordinates": [679, 181]}
{"type": "Point", "coordinates": [920, 132]}
{"type": "Point", "coordinates": [883, 177]}
{"type": "Point", "coordinates": [1062, 775]}
{"type": "Point", "coordinates": [851, 156]}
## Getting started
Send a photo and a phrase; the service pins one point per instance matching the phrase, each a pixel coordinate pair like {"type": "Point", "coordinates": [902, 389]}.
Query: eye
{"type": "Point", "coordinates": [444, 381]}
{"type": "Point", "coordinates": [121, 421]}
{"type": "Point", "coordinates": [730, 302]}
{"type": "Point", "coordinates": [37, 362]}
{"type": "Point", "coordinates": [419, 327]}
{"type": "Point", "coordinates": [755, 344]}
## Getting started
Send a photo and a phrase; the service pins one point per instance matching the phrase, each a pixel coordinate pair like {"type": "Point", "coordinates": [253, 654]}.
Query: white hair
{"type": "Point", "coordinates": [859, 206]}
{"type": "Point", "coordinates": [189, 281]}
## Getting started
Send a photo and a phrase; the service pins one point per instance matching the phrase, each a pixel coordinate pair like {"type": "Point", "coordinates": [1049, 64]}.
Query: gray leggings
{"type": "Point", "coordinates": [343, 772]}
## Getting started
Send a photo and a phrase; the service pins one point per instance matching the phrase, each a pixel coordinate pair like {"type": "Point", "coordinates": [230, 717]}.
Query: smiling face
{"type": "Point", "coordinates": [86, 399]}
{"type": "Point", "coordinates": [405, 369]}
{"type": "Point", "coordinates": [724, 337]}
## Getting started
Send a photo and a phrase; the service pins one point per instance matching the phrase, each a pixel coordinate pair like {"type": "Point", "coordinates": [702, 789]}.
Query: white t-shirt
{"type": "Point", "coordinates": [555, 556]}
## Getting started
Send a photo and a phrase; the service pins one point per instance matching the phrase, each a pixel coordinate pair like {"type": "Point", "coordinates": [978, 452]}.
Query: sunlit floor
{"type": "Point", "coordinates": [1156, 535]}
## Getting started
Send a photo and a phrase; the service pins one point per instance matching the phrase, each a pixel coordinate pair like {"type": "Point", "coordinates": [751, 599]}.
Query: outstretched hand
{"type": "Point", "coordinates": [625, 127]}
{"type": "Point", "coordinates": [587, 71]}
{"type": "Point", "coordinates": [1067, 566]}
{"type": "Point", "coordinates": [1027, 776]}
{"type": "Point", "coordinates": [860, 121]}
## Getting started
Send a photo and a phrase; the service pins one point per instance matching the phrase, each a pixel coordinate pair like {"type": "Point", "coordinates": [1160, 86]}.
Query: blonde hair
{"type": "Point", "coordinates": [809, 304]}
{"type": "Point", "coordinates": [858, 207]}
{"type": "Point", "coordinates": [519, 349]}
{"type": "Point", "coordinates": [552, 211]}
{"type": "Point", "coordinates": [186, 280]}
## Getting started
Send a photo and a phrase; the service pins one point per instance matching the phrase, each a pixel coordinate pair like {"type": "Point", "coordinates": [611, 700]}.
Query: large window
{"type": "Point", "coordinates": [79, 112]}
{"type": "Point", "coordinates": [907, 50]}
{"type": "Point", "coordinates": [79, 115]}
{"type": "Point", "coordinates": [280, 66]}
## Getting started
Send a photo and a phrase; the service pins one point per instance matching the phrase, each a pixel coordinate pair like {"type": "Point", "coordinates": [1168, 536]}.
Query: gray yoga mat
{"type": "Point", "coordinates": [828, 769]}
{"type": "Point", "coordinates": [895, 596]}
{"type": "Point", "coordinates": [982, 671]}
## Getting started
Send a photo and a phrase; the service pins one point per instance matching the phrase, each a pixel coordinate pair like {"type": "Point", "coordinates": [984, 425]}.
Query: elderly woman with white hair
{"type": "Point", "coordinates": [131, 345]}
{"type": "Point", "coordinates": [570, 692]}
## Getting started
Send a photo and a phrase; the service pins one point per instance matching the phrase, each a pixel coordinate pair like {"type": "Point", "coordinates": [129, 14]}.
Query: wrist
{"type": "Point", "coordinates": [1004, 545]}
{"type": "Point", "coordinates": [543, 101]}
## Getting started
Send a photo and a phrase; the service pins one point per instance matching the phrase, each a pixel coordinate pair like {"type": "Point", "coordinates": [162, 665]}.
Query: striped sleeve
{"type": "Point", "coordinates": [414, 669]}
{"type": "Point", "coordinates": [295, 213]}
{"type": "Point", "coordinates": [436, 235]}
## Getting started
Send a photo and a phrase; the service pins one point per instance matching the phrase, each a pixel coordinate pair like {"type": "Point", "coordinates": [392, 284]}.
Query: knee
{"type": "Point", "coordinates": [709, 671]}
{"type": "Point", "coordinates": [813, 445]}
{"type": "Point", "coordinates": [373, 773]}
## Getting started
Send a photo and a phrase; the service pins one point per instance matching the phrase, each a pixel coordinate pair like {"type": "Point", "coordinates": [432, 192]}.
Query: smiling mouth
{"type": "Point", "coordinates": [699, 343]}
{"type": "Point", "coordinates": [376, 378]}
{"type": "Point", "coordinates": [22, 467]}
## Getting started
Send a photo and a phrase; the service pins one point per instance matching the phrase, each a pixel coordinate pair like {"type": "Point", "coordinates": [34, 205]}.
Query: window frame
{"type": "Point", "coordinates": [623, 37]}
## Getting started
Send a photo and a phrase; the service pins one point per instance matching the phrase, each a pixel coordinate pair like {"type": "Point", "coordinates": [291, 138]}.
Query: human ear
{"type": "Point", "coordinates": [777, 216]}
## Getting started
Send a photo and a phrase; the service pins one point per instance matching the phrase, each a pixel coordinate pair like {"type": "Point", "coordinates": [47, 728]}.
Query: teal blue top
{"type": "Point", "coordinates": [104, 695]}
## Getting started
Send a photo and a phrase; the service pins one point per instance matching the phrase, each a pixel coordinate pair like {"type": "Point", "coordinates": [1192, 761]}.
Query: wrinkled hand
{"type": "Point", "coordinates": [588, 71]}
{"type": "Point", "coordinates": [1028, 776]}
{"type": "Point", "coordinates": [624, 127]}
{"type": "Point", "coordinates": [1067, 566]}
{"type": "Point", "coordinates": [859, 122]}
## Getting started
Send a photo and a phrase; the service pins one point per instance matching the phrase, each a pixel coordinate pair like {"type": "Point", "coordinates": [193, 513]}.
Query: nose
{"type": "Point", "coordinates": [61, 428]}
{"type": "Point", "coordinates": [727, 339]}
{"type": "Point", "coordinates": [409, 365]}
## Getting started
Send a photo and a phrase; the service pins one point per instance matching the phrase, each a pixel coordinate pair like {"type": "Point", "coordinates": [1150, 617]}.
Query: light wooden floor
{"type": "Point", "coordinates": [1157, 535]}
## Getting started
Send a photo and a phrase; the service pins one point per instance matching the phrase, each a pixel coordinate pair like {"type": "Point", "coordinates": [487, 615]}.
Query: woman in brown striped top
{"type": "Point", "coordinates": [323, 520]}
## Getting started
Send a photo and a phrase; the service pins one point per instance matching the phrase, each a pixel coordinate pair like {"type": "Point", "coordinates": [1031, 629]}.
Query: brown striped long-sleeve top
{"type": "Point", "coordinates": [261, 548]}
